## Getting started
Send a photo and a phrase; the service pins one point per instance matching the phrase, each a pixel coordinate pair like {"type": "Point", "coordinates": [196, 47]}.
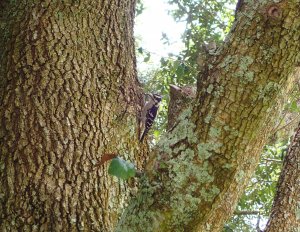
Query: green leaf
{"type": "Point", "coordinates": [294, 107]}
{"type": "Point", "coordinates": [156, 133]}
{"type": "Point", "coordinates": [121, 168]}
{"type": "Point", "coordinates": [147, 58]}
{"type": "Point", "coordinates": [140, 50]}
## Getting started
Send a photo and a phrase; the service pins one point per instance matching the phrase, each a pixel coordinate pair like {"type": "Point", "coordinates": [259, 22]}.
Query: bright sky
{"type": "Point", "coordinates": [149, 28]}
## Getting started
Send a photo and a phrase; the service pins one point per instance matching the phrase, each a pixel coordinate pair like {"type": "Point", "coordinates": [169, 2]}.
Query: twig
{"type": "Point", "coordinates": [272, 160]}
{"type": "Point", "coordinates": [289, 123]}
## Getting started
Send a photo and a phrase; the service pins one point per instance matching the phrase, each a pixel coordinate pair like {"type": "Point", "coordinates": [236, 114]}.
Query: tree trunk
{"type": "Point", "coordinates": [285, 213]}
{"type": "Point", "coordinates": [69, 95]}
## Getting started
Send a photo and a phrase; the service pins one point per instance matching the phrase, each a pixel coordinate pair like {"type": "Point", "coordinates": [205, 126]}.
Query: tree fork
{"type": "Point", "coordinates": [209, 156]}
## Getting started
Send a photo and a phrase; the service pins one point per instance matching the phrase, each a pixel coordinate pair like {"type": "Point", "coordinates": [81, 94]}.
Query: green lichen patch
{"type": "Point", "coordinates": [205, 150]}
{"type": "Point", "coordinates": [184, 130]}
{"type": "Point", "coordinates": [209, 88]}
{"type": "Point", "coordinates": [227, 61]}
{"type": "Point", "coordinates": [266, 92]}
{"type": "Point", "coordinates": [210, 194]}
{"type": "Point", "coordinates": [244, 73]}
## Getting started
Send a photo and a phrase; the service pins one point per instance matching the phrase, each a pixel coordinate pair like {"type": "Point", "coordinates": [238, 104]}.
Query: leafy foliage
{"type": "Point", "coordinates": [205, 21]}
{"type": "Point", "coordinates": [139, 7]}
{"type": "Point", "coordinates": [121, 168]}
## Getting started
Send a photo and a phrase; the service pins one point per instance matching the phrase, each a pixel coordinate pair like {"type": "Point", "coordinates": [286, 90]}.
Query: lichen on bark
{"type": "Point", "coordinates": [69, 94]}
{"type": "Point", "coordinates": [209, 155]}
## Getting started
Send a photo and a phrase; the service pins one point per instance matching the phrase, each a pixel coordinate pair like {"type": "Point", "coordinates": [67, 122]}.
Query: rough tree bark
{"type": "Point", "coordinates": [68, 95]}
{"type": "Point", "coordinates": [285, 213]}
{"type": "Point", "coordinates": [201, 167]}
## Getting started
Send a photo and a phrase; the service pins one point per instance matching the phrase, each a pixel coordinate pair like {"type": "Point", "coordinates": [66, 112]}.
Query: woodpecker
{"type": "Point", "coordinates": [149, 113]}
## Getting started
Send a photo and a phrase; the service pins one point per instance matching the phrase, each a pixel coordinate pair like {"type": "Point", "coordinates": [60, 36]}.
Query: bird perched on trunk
{"type": "Point", "coordinates": [149, 113]}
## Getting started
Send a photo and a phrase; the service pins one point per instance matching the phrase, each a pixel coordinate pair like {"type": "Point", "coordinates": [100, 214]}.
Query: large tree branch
{"type": "Point", "coordinates": [180, 99]}
{"type": "Point", "coordinates": [201, 167]}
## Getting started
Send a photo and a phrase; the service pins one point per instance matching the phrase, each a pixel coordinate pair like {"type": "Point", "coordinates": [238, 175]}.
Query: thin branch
{"type": "Point", "coordinates": [278, 125]}
{"type": "Point", "coordinates": [272, 160]}
{"type": "Point", "coordinates": [247, 212]}
{"type": "Point", "coordinates": [289, 123]}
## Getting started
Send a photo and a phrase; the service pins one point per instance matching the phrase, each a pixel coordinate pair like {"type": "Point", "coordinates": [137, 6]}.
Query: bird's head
{"type": "Point", "coordinates": [157, 97]}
